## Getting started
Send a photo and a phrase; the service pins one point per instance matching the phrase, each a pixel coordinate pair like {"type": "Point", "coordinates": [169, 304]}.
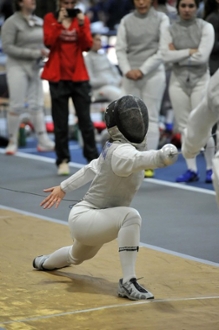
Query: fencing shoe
{"type": "Point", "coordinates": [188, 176]}
{"type": "Point", "coordinates": [133, 291]}
{"type": "Point", "coordinates": [38, 262]}
{"type": "Point", "coordinates": [11, 148]}
{"type": "Point", "coordinates": [63, 168]}
{"type": "Point", "coordinates": [208, 178]}
{"type": "Point", "coordinates": [46, 145]}
{"type": "Point", "coordinates": [149, 174]}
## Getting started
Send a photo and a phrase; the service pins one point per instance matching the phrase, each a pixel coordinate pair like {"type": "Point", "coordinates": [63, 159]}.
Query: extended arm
{"type": "Point", "coordinates": [80, 178]}
{"type": "Point", "coordinates": [126, 159]}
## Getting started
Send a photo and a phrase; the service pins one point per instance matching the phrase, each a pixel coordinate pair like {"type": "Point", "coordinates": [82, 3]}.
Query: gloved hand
{"type": "Point", "coordinates": [168, 154]}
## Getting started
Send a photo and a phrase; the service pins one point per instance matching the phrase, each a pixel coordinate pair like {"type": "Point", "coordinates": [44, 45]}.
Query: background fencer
{"type": "Point", "coordinates": [105, 214]}
{"type": "Point", "coordinates": [199, 127]}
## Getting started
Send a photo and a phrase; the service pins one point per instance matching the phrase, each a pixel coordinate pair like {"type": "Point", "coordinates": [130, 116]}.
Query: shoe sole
{"type": "Point", "coordinates": [34, 265]}
{"type": "Point", "coordinates": [132, 298]}
{"type": "Point", "coordinates": [63, 174]}
{"type": "Point", "coordinates": [42, 269]}
{"type": "Point", "coordinates": [193, 180]}
{"type": "Point", "coordinates": [44, 150]}
{"type": "Point", "coordinates": [10, 153]}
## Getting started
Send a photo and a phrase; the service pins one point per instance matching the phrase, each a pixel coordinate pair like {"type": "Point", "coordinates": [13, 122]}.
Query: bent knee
{"type": "Point", "coordinates": [133, 217]}
{"type": "Point", "coordinates": [72, 260]}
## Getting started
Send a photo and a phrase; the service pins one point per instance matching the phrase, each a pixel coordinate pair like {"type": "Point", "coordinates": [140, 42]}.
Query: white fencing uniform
{"type": "Point", "coordinates": [105, 214]}
{"type": "Point", "coordinates": [22, 42]}
{"type": "Point", "coordinates": [138, 47]}
{"type": "Point", "coordinates": [199, 127]}
{"type": "Point", "coordinates": [190, 75]}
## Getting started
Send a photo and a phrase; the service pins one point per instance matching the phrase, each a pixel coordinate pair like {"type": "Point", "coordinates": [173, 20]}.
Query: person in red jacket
{"type": "Point", "coordinates": [67, 35]}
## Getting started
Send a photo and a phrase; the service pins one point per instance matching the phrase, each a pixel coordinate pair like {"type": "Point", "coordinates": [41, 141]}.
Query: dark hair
{"type": "Point", "coordinates": [210, 7]}
{"type": "Point", "coordinates": [134, 2]}
{"type": "Point", "coordinates": [161, 2]}
{"type": "Point", "coordinates": [16, 5]}
{"type": "Point", "coordinates": [94, 34]}
{"type": "Point", "coordinates": [178, 2]}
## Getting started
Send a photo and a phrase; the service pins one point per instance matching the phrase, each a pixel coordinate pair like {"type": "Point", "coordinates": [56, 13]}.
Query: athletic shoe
{"type": "Point", "coordinates": [208, 178]}
{"type": "Point", "coordinates": [188, 176]}
{"type": "Point", "coordinates": [48, 145]}
{"type": "Point", "coordinates": [38, 262]}
{"type": "Point", "coordinates": [11, 148]}
{"type": "Point", "coordinates": [149, 173]}
{"type": "Point", "coordinates": [63, 168]}
{"type": "Point", "coordinates": [133, 291]}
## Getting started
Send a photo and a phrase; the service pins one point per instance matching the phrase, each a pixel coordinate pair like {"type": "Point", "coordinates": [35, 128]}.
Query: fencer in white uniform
{"type": "Point", "coordinates": [199, 127]}
{"type": "Point", "coordinates": [105, 214]}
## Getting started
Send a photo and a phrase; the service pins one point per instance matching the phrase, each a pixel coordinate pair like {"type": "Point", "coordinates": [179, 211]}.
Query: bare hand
{"type": "Point", "coordinates": [192, 51]}
{"type": "Point", "coordinates": [172, 47]}
{"type": "Point", "coordinates": [80, 17]}
{"type": "Point", "coordinates": [57, 194]}
{"type": "Point", "coordinates": [45, 52]}
{"type": "Point", "coordinates": [134, 74]}
{"type": "Point", "coordinates": [62, 14]}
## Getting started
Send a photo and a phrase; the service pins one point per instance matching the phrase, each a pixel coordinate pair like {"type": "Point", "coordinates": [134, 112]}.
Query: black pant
{"type": "Point", "coordinates": [80, 93]}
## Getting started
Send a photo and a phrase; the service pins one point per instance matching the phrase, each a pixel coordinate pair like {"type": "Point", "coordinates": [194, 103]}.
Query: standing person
{"type": "Point", "coordinates": [139, 58]}
{"type": "Point", "coordinates": [211, 15]}
{"type": "Point", "coordinates": [166, 111]}
{"type": "Point", "coordinates": [198, 128]}
{"type": "Point", "coordinates": [105, 78]}
{"type": "Point", "coordinates": [105, 214]}
{"type": "Point", "coordinates": [67, 34]}
{"type": "Point", "coordinates": [22, 42]}
{"type": "Point", "coordinates": [187, 43]}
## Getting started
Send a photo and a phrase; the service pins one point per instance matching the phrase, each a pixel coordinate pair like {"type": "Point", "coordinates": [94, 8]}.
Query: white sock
{"type": "Point", "coordinates": [13, 127]}
{"type": "Point", "coordinates": [128, 236]}
{"type": "Point", "coordinates": [58, 259]}
{"type": "Point", "coordinates": [191, 164]}
{"type": "Point", "coordinates": [38, 121]}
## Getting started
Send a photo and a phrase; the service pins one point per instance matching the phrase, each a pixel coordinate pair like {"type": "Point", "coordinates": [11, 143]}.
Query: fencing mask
{"type": "Point", "coordinates": [130, 115]}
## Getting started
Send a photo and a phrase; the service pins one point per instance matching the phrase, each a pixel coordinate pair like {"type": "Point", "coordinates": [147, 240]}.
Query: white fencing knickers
{"type": "Point", "coordinates": [91, 228]}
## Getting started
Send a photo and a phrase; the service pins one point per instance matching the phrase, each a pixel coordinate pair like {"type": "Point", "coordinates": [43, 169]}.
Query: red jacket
{"type": "Point", "coordinates": [53, 32]}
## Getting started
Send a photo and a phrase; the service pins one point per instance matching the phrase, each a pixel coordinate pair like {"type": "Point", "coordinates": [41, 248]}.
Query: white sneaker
{"type": "Point", "coordinates": [47, 145]}
{"type": "Point", "coordinates": [63, 168]}
{"type": "Point", "coordinates": [38, 262]}
{"type": "Point", "coordinates": [133, 290]}
{"type": "Point", "coordinates": [11, 148]}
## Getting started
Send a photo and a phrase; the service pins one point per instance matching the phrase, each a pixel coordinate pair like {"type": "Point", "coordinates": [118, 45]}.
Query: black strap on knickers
{"type": "Point", "coordinates": [129, 248]}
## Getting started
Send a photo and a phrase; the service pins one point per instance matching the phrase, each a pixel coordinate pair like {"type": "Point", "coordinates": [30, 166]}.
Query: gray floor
{"type": "Point", "coordinates": [179, 220]}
